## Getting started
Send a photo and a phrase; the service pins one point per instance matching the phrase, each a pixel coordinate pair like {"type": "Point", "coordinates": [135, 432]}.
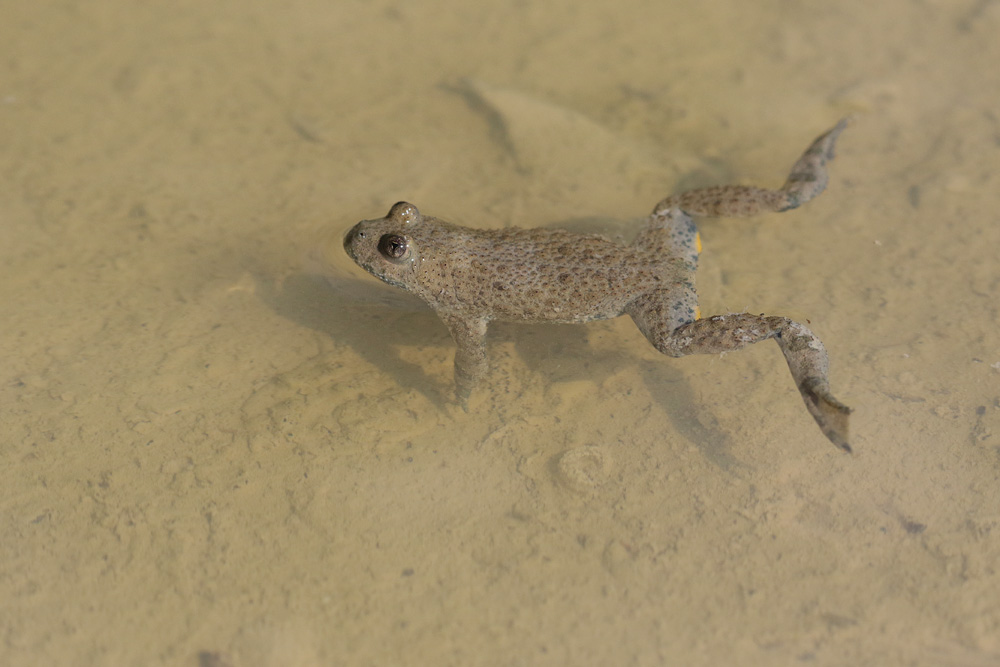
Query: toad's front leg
{"type": "Point", "coordinates": [804, 353]}
{"type": "Point", "coordinates": [470, 356]}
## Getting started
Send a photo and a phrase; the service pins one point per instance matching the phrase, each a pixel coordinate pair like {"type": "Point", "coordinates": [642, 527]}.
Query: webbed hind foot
{"type": "Point", "coordinates": [804, 353]}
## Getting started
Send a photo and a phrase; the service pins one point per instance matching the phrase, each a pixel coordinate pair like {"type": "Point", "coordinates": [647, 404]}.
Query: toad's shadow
{"type": "Point", "coordinates": [374, 327]}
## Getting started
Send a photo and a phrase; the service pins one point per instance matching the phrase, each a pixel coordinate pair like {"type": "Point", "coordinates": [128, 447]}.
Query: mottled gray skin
{"type": "Point", "coordinates": [471, 277]}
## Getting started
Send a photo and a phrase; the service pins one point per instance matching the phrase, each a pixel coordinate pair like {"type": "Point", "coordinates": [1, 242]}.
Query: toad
{"type": "Point", "coordinates": [471, 277]}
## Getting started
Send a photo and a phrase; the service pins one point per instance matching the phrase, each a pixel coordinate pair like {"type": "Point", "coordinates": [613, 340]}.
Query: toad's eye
{"type": "Point", "coordinates": [392, 246]}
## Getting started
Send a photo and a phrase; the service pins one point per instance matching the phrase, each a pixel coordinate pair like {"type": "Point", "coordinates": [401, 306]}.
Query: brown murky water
{"type": "Point", "coordinates": [222, 445]}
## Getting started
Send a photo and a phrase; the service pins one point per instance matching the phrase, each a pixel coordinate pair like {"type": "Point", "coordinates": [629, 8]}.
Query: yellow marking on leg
{"type": "Point", "coordinates": [697, 242]}
{"type": "Point", "coordinates": [697, 311]}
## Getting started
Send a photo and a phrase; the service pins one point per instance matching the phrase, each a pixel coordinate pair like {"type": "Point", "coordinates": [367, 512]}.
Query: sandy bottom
{"type": "Point", "coordinates": [223, 446]}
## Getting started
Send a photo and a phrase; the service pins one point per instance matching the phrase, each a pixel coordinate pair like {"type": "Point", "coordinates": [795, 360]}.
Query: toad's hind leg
{"type": "Point", "coordinates": [805, 354]}
{"type": "Point", "coordinates": [807, 179]}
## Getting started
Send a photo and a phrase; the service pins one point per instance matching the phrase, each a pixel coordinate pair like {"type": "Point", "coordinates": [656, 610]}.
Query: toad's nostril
{"type": "Point", "coordinates": [349, 238]}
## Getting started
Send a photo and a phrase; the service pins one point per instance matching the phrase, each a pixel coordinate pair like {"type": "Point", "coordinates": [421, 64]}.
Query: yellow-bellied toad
{"type": "Point", "coordinates": [471, 277]}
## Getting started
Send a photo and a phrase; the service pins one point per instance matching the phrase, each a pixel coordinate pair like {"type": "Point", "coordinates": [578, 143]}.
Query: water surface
{"type": "Point", "coordinates": [222, 446]}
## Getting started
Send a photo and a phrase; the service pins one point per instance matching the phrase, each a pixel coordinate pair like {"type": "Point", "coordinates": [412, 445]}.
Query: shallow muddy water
{"type": "Point", "coordinates": [223, 444]}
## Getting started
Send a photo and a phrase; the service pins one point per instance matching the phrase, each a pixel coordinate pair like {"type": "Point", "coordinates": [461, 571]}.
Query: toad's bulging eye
{"type": "Point", "coordinates": [392, 246]}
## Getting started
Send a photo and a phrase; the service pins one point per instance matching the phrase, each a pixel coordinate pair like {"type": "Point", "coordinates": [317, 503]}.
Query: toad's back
{"type": "Point", "coordinates": [531, 274]}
